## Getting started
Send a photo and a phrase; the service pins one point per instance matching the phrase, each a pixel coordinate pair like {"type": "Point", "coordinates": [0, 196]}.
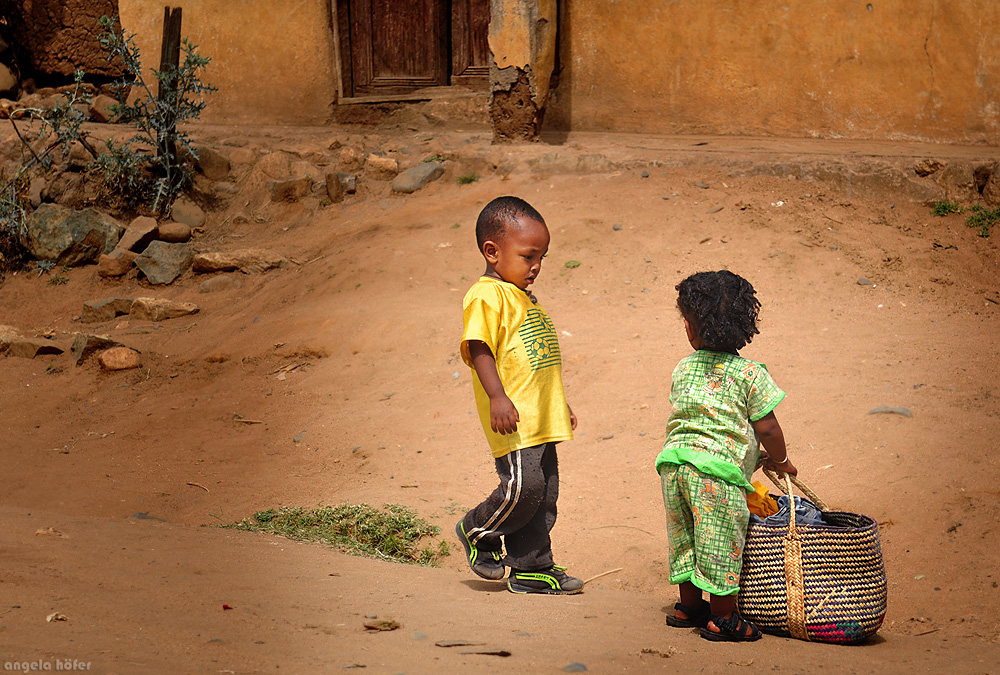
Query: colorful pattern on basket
{"type": "Point", "coordinates": [843, 578]}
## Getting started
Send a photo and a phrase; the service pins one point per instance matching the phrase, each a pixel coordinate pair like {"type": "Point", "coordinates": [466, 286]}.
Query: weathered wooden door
{"type": "Point", "coordinates": [470, 51]}
{"type": "Point", "coordinates": [393, 47]}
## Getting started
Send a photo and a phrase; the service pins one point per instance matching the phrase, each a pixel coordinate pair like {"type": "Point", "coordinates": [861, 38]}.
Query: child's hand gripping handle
{"type": "Point", "coordinates": [776, 478]}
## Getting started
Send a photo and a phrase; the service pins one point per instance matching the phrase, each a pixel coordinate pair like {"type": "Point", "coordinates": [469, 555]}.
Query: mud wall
{"type": "Point", "coordinates": [861, 69]}
{"type": "Point", "coordinates": [271, 61]}
{"type": "Point", "coordinates": [53, 38]}
{"type": "Point", "coordinates": [522, 43]}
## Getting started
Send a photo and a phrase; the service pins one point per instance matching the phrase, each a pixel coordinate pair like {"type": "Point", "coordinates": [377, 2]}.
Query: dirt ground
{"type": "Point", "coordinates": [337, 379]}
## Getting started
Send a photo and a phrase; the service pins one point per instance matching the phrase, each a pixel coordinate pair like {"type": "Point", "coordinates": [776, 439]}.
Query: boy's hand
{"type": "Point", "coordinates": [503, 415]}
{"type": "Point", "coordinates": [572, 418]}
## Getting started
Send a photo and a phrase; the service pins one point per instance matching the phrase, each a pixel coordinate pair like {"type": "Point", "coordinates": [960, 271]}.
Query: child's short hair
{"type": "Point", "coordinates": [721, 307]}
{"type": "Point", "coordinates": [498, 214]}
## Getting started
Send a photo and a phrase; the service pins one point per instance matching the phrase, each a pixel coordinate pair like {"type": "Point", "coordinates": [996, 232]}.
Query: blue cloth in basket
{"type": "Point", "coordinates": [806, 513]}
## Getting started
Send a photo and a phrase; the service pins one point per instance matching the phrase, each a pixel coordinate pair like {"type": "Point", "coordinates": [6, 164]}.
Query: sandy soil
{"type": "Point", "coordinates": [132, 470]}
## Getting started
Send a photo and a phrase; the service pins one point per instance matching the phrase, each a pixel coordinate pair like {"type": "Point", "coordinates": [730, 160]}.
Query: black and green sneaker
{"type": "Point", "coordinates": [486, 564]}
{"type": "Point", "coordinates": [553, 581]}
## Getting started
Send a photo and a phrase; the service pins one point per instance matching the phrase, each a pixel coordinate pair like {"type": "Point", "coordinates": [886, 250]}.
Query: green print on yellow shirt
{"type": "Point", "coordinates": [540, 341]}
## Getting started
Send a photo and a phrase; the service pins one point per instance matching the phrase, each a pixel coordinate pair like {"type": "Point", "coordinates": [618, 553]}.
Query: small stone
{"type": "Point", "coordinates": [118, 358]}
{"type": "Point", "coordinates": [418, 635]}
{"type": "Point", "coordinates": [381, 167]}
{"type": "Point", "coordinates": [334, 188]}
{"type": "Point", "coordinates": [575, 667]}
{"type": "Point", "coordinates": [115, 264]}
{"type": "Point", "coordinates": [703, 186]}
{"type": "Point", "coordinates": [176, 233]}
{"type": "Point", "coordinates": [29, 348]}
{"type": "Point", "coordinates": [417, 177]}
{"type": "Point", "coordinates": [248, 261]}
{"type": "Point", "coordinates": [297, 438]}
{"type": "Point", "coordinates": [290, 190]}
{"type": "Point", "coordinates": [35, 189]}
{"type": "Point", "coordinates": [162, 263]}
{"type": "Point", "coordinates": [138, 235]}
{"type": "Point", "coordinates": [105, 309]}
{"type": "Point", "coordinates": [212, 164]}
{"type": "Point", "coordinates": [187, 212]}
{"type": "Point", "coordinates": [101, 109]}
{"type": "Point", "coordinates": [617, 227]}
{"type": "Point", "coordinates": [926, 167]}
{"type": "Point", "coordinates": [381, 624]}
{"type": "Point", "coordinates": [70, 237]}
{"type": "Point", "coordinates": [645, 174]}
{"type": "Point", "coordinates": [715, 209]}
{"type": "Point", "coordinates": [607, 437]}
{"type": "Point", "coordinates": [160, 309]}
{"type": "Point", "coordinates": [864, 282]}
{"type": "Point", "coordinates": [666, 197]}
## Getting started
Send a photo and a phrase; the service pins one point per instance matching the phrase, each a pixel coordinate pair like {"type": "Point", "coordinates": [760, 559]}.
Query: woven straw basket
{"type": "Point", "coordinates": [824, 583]}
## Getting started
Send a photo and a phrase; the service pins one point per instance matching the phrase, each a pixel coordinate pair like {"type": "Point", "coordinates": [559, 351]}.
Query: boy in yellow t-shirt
{"type": "Point", "coordinates": [509, 342]}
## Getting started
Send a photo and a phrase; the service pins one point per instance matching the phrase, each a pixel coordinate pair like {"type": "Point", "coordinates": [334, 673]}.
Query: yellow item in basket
{"type": "Point", "coordinates": [760, 502]}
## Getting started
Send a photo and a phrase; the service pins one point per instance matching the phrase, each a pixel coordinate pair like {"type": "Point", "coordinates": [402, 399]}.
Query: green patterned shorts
{"type": "Point", "coordinates": [706, 528]}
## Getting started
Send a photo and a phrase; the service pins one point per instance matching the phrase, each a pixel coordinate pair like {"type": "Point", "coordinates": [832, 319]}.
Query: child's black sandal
{"type": "Point", "coordinates": [733, 629]}
{"type": "Point", "coordinates": [697, 616]}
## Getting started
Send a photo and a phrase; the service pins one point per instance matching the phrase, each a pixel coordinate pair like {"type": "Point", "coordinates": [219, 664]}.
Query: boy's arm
{"type": "Point", "coordinates": [771, 437]}
{"type": "Point", "coordinates": [503, 414]}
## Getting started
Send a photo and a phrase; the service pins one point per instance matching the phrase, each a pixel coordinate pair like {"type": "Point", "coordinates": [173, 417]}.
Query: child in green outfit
{"type": "Point", "coordinates": [723, 409]}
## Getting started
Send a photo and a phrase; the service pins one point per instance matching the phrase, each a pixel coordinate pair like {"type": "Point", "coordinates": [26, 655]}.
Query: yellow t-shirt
{"type": "Point", "coordinates": [526, 348]}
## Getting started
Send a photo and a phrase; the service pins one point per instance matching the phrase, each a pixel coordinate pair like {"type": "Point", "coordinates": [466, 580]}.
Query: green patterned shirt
{"type": "Point", "coordinates": [716, 396]}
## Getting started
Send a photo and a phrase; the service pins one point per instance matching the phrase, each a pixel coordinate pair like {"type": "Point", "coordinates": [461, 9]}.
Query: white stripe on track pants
{"type": "Point", "coordinates": [522, 509]}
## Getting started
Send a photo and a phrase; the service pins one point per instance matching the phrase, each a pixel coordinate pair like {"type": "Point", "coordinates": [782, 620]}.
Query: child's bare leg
{"type": "Point", "coordinates": [690, 597]}
{"type": "Point", "coordinates": [723, 607]}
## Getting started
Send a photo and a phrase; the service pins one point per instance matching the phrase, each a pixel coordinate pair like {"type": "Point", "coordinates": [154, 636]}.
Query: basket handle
{"type": "Point", "coordinates": [786, 487]}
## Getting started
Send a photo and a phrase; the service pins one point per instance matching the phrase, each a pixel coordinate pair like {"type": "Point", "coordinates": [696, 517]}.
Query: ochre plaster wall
{"type": "Point", "coordinates": [884, 69]}
{"type": "Point", "coordinates": [522, 36]}
{"type": "Point", "coordinates": [272, 60]}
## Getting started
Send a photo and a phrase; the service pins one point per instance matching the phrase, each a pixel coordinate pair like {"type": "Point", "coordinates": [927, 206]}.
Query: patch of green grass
{"type": "Point", "coordinates": [435, 158]}
{"type": "Point", "coordinates": [58, 280]}
{"type": "Point", "coordinates": [984, 219]}
{"type": "Point", "coordinates": [468, 178]}
{"type": "Point", "coordinates": [393, 532]}
{"type": "Point", "coordinates": [570, 264]}
{"type": "Point", "coordinates": [944, 208]}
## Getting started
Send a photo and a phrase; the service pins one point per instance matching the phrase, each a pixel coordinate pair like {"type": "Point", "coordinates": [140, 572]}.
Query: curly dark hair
{"type": "Point", "coordinates": [721, 307]}
{"type": "Point", "coordinates": [498, 215]}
